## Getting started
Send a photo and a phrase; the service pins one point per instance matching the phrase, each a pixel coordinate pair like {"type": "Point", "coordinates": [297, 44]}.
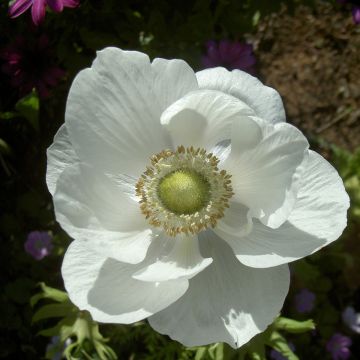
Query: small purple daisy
{"type": "Point", "coordinates": [38, 7]}
{"type": "Point", "coordinates": [38, 244]}
{"type": "Point", "coordinates": [338, 347]}
{"type": "Point", "coordinates": [304, 301]}
{"type": "Point", "coordinates": [229, 54]}
{"type": "Point", "coordinates": [351, 319]}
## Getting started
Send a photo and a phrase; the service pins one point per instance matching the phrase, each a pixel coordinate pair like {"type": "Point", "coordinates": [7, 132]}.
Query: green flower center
{"type": "Point", "coordinates": [184, 191]}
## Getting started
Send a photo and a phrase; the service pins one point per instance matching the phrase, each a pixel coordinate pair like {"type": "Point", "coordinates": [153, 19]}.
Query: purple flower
{"type": "Point", "coordinates": [338, 347]}
{"type": "Point", "coordinates": [229, 54]}
{"type": "Point", "coordinates": [275, 355]}
{"type": "Point", "coordinates": [356, 14]}
{"type": "Point", "coordinates": [351, 319]}
{"type": "Point", "coordinates": [29, 65]}
{"type": "Point", "coordinates": [304, 301]}
{"type": "Point", "coordinates": [355, 9]}
{"type": "Point", "coordinates": [38, 244]}
{"type": "Point", "coordinates": [18, 7]}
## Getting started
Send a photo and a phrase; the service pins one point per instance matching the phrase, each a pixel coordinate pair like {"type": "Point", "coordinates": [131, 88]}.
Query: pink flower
{"type": "Point", "coordinates": [38, 7]}
{"type": "Point", "coordinates": [38, 244]}
{"type": "Point", "coordinates": [229, 54]}
{"type": "Point", "coordinates": [29, 65]}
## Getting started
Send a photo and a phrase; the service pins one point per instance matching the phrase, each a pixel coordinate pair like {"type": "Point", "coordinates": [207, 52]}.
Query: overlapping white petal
{"type": "Point", "coordinates": [113, 117]}
{"type": "Point", "coordinates": [106, 288]}
{"type": "Point", "coordinates": [204, 118]}
{"type": "Point", "coordinates": [265, 178]}
{"type": "Point", "coordinates": [91, 208]}
{"type": "Point", "coordinates": [60, 155]}
{"type": "Point", "coordinates": [318, 218]}
{"type": "Point", "coordinates": [226, 302]}
{"type": "Point", "coordinates": [176, 258]}
{"type": "Point", "coordinates": [265, 101]}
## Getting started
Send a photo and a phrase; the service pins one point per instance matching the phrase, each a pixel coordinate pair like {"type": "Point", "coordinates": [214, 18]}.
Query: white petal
{"type": "Point", "coordinates": [265, 101]}
{"type": "Point", "coordinates": [227, 302]}
{"type": "Point", "coordinates": [60, 155]}
{"type": "Point", "coordinates": [89, 208]}
{"type": "Point", "coordinates": [182, 260]}
{"type": "Point", "coordinates": [318, 218]}
{"type": "Point", "coordinates": [106, 289]}
{"type": "Point", "coordinates": [265, 178]}
{"type": "Point", "coordinates": [173, 80]}
{"type": "Point", "coordinates": [236, 222]}
{"type": "Point", "coordinates": [204, 118]}
{"type": "Point", "coordinates": [113, 109]}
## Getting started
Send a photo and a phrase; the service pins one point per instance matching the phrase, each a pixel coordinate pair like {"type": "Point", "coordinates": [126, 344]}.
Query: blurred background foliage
{"type": "Point", "coordinates": [308, 50]}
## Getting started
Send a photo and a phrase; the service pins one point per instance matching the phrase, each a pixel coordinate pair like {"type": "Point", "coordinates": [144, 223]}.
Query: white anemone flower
{"type": "Point", "coordinates": [187, 194]}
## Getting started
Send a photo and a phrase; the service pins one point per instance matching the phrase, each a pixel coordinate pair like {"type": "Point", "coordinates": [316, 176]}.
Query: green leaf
{"type": "Point", "coordinates": [278, 342]}
{"type": "Point", "coordinates": [49, 293]}
{"type": "Point", "coordinates": [8, 115]}
{"type": "Point", "coordinates": [293, 326]}
{"type": "Point", "coordinates": [54, 310]}
{"type": "Point", "coordinates": [28, 107]}
{"type": "Point", "coordinates": [4, 147]}
{"type": "Point", "coordinates": [201, 353]}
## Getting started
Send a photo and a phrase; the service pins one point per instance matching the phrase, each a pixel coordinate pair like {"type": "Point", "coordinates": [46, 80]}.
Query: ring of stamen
{"type": "Point", "coordinates": [209, 191]}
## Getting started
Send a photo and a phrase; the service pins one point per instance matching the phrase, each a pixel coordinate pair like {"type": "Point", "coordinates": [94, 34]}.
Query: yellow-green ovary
{"type": "Point", "coordinates": [184, 191]}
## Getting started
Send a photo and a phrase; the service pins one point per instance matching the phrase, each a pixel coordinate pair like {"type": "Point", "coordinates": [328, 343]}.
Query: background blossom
{"type": "Point", "coordinates": [39, 244]}
{"type": "Point", "coordinates": [229, 54]}
{"type": "Point", "coordinates": [304, 301]}
{"type": "Point", "coordinates": [38, 7]}
{"type": "Point", "coordinates": [338, 346]}
{"type": "Point", "coordinates": [30, 64]}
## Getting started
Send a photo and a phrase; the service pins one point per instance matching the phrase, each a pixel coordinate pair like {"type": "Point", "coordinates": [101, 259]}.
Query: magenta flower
{"type": "Point", "coordinates": [29, 65]}
{"type": "Point", "coordinates": [38, 244]}
{"type": "Point", "coordinates": [18, 7]}
{"type": "Point", "coordinates": [304, 301]}
{"type": "Point", "coordinates": [338, 347]}
{"type": "Point", "coordinates": [229, 54]}
{"type": "Point", "coordinates": [352, 319]}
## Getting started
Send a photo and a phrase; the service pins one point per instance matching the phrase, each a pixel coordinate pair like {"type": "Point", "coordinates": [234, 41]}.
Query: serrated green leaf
{"type": "Point", "coordinates": [49, 293]}
{"type": "Point", "coordinates": [54, 310]}
{"type": "Point", "coordinates": [293, 326]}
{"type": "Point", "coordinates": [279, 343]}
{"type": "Point", "coordinates": [200, 353]}
{"type": "Point", "coordinates": [4, 147]}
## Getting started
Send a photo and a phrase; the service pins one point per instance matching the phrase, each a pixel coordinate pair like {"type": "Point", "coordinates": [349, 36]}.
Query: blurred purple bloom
{"type": "Point", "coordinates": [355, 9]}
{"type": "Point", "coordinates": [229, 54]}
{"type": "Point", "coordinates": [275, 355]}
{"type": "Point", "coordinates": [351, 319]}
{"type": "Point", "coordinates": [338, 347]}
{"type": "Point", "coordinates": [304, 301]}
{"type": "Point", "coordinates": [38, 244]}
{"type": "Point", "coordinates": [356, 14]}
{"type": "Point", "coordinates": [28, 63]}
{"type": "Point", "coordinates": [18, 7]}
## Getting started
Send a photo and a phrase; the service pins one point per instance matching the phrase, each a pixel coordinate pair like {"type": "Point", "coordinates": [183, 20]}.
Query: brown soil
{"type": "Point", "coordinates": [313, 59]}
